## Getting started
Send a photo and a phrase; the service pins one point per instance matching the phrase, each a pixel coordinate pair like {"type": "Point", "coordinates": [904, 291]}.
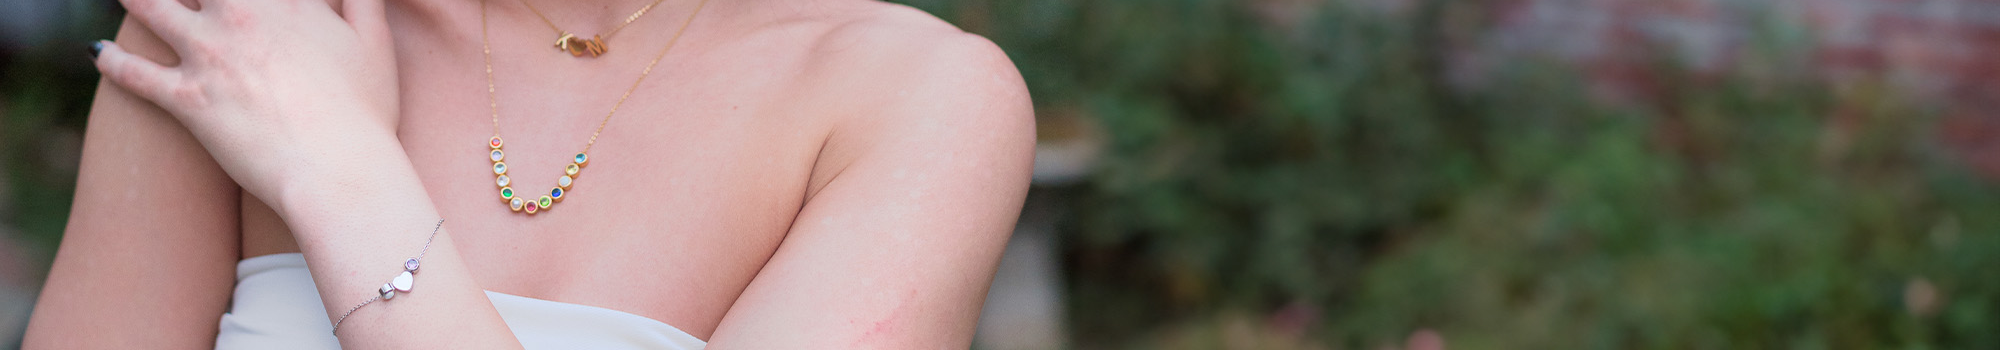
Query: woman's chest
{"type": "Point", "coordinates": [690, 182]}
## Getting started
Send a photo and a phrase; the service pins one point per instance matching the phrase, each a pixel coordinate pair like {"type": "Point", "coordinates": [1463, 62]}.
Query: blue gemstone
{"type": "Point", "coordinates": [556, 193]}
{"type": "Point", "coordinates": [580, 158]}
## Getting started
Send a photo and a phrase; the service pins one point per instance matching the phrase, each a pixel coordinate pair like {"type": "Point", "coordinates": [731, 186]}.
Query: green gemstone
{"type": "Point", "coordinates": [545, 202]}
{"type": "Point", "coordinates": [506, 193]}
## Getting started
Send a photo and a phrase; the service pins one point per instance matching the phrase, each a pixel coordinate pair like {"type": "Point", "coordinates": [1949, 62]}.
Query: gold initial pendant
{"type": "Point", "coordinates": [577, 46]}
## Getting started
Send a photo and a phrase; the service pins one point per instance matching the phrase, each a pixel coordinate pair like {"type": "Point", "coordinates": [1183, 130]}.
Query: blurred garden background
{"type": "Point", "coordinates": [1382, 174]}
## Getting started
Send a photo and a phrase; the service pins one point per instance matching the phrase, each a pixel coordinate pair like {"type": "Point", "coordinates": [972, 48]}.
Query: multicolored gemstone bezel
{"type": "Point", "coordinates": [517, 202]}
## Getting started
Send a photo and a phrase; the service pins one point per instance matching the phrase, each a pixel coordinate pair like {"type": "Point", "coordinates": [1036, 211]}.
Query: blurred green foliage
{"type": "Point", "coordinates": [45, 93]}
{"type": "Point", "coordinates": [1266, 160]}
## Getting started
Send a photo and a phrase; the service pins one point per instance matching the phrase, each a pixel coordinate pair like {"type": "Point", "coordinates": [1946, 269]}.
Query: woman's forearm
{"type": "Point", "coordinates": [358, 216]}
{"type": "Point", "coordinates": [298, 104]}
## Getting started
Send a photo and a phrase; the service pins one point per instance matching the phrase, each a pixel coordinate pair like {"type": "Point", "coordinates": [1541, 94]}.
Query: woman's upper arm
{"type": "Point", "coordinates": [897, 249]}
{"type": "Point", "coordinates": [148, 259]}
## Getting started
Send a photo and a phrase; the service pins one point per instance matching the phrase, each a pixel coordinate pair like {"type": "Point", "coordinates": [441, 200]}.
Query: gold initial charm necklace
{"type": "Point", "coordinates": [517, 201]}
{"type": "Point", "coordinates": [577, 45]}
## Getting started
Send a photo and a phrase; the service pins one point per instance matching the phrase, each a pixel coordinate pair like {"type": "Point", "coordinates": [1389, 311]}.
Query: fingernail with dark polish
{"type": "Point", "coordinates": [96, 47]}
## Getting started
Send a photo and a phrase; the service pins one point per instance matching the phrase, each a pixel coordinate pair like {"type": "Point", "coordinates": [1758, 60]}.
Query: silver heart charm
{"type": "Point", "coordinates": [403, 282]}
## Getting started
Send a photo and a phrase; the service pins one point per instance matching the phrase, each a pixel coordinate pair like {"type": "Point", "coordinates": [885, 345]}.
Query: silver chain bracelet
{"type": "Point", "coordinates": [402, 283]}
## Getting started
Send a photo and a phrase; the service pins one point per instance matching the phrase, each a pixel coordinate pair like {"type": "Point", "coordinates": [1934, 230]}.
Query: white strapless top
{"type": "Point", "coordinates": [276, 306]}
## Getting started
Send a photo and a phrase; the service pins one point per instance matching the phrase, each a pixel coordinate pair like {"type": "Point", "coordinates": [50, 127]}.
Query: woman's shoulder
{"type": "Point", "coordinates": [887, 26]}
{"type": "Point", "coordinates": [900, 80]}
{"type": "Point", "coordinates": [885, 57]}
{"type": "Point", "coordinates": [895, 50]}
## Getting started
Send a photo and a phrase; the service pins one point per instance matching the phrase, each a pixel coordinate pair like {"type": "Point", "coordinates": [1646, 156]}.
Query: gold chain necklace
{"type": "Point", "coordinates": [576, 45]}
{"type": "Point", "coordinates": [516, 201]}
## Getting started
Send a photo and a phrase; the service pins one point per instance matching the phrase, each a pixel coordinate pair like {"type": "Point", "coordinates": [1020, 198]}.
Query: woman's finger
{"type": "Point", "coordinates": [169, 19]}
{"type": "Point", "coordinates": [160, 84]}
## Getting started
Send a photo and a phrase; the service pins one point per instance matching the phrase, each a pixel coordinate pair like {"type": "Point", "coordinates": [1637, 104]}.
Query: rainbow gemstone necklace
{"type": "Point", "coordinates": [519, 202]}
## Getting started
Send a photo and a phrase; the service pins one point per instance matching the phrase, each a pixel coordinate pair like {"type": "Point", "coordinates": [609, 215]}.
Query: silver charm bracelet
{"type": "Point", "coordinates": [402, 283]}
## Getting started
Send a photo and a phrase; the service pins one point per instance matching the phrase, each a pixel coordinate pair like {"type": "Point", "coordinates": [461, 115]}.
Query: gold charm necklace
{"type": "Point", "coordinates": [576, 45]}
{"type": "Point", "coordinates": [517, 201]}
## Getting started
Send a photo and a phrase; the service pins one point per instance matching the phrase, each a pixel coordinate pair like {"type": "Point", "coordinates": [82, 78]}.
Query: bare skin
{"type": "Point", "coordinates": [795, 174]}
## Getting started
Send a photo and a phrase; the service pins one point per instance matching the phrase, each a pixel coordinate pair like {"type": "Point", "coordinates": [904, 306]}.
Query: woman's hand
{"type": "Point", "coordinates": [278, 91]}
{"type": "Point", "coordinates": [299, 106]}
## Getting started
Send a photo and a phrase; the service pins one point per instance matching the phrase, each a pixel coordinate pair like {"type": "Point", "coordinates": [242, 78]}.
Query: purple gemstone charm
{"type": "Point", "coordinates": [410, 265]}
